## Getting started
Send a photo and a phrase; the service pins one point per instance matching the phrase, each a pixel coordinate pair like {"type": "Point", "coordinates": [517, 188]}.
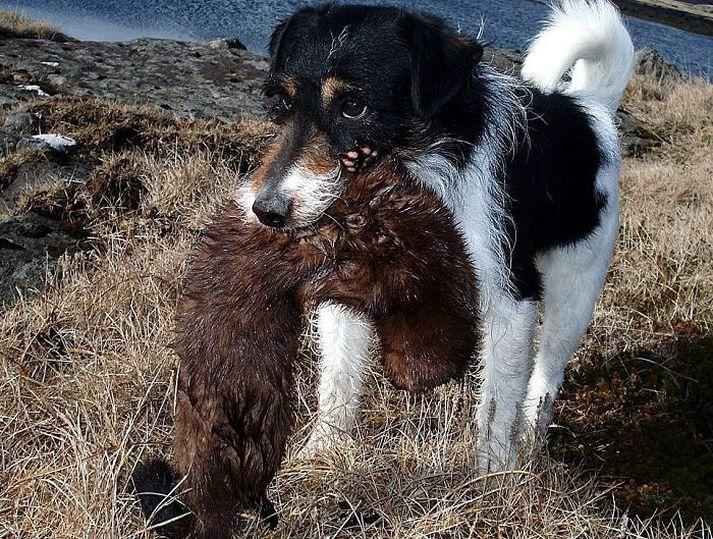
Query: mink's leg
{"type": "Point", "coordinates": [198, 458]}
{"type": "Point", "coordinates": [344, 341]}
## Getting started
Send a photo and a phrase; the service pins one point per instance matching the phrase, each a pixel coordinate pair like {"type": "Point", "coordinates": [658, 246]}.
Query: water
{"type": "Point", "coordinates": [508, 23]}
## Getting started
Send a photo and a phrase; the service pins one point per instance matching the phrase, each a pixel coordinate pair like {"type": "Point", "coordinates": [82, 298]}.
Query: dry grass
{"type": "Point", "coordinates": [87, 379]}
{"type": "Point", "coordinates": [14, 24]}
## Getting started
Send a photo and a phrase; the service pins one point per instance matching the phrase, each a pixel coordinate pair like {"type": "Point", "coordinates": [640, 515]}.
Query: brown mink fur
{"type": "Point", "coordinates": [387, 248]}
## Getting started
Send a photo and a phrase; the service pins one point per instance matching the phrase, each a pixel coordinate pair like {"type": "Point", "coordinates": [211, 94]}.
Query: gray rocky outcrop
{"type": "Point", "coordinates": [650, 63]}
{"type": "Point", "coordinates": [214, 79]}
{"type": "Point", "coordinates": [30, 245]}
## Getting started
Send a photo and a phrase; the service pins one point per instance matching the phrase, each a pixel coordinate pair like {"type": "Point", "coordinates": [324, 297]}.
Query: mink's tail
{"type": "Point", "coordinates": [154, 483]}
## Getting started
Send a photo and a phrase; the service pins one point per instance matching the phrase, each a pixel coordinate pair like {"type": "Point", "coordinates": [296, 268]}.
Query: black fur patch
{"type": "Point", "coordinates": [550, 184]}
{"type": "Point", "coordinates": [152, 481]}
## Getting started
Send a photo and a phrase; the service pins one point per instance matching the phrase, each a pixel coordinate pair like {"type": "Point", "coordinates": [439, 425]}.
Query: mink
{"type": "Point", "coordinates": [387, 248]}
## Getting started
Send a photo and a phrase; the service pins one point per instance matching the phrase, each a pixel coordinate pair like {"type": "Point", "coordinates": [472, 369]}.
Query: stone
{"type": "Point", "coordinates": [227, 43]}
{"type": "Point", "coordinates": [58, 145]}
{"type": "Point", "coordinates": [8, 143]}
{"type": "Point", "coordinates": [194, 79]}
{"type": "Point", "coordinates": [649, 62]}
{"type": "Point", "coordinates": [636, 137]}
{"type": "Point", "coordinates": [29, 247]}
{"type": "Point", "coordinates": [22, 124]}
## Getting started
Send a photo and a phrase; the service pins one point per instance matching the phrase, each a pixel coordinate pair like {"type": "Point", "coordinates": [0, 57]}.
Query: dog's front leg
{"type": "Point", "coordinates": [345, 338]}
{"type": "Point", "coordinates": [508, 333]}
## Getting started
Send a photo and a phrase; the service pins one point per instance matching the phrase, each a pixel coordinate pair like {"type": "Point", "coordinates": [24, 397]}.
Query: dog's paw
{"type": "Point", "coordinates": [359, 157]}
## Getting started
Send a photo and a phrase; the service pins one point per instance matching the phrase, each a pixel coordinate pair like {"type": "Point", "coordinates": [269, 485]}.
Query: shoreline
{"type": "Point", "coordinates": [687, 17]}
{"type": "Point", "coordinates": [690, 18]}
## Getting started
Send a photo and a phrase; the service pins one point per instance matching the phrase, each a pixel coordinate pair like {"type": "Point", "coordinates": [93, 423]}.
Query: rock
{"type": "Point", "coordinates": [57, 81]}
{"type": "Point", "coordinates": [227, 43]}
{"type": "Point", "coordinates": [58, 145]}
{"type": "Point", "coordinates": [8, 144]}
{"type": "Point", "coordinates": [194, 79]}
{"type": "Point", "coordinates": [39, 179]}
{"type": "Point", "coordinates": [29, 247]}
{"type": "Point", "coordinates": [22, 124]}
{"type": "Point", "coordinates": [636, 137]}
{"type": "Point", "coordinates": [649, 62]}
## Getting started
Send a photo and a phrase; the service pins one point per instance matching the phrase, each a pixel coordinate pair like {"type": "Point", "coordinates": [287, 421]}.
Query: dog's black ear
{"type": "Point", "coordinates": [276, 43]}
{"type": "Point", "coordinates": [442, 61]}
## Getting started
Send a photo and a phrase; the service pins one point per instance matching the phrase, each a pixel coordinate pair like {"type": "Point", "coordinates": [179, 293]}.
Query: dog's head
{"type": "Point", "coordinates": [348, 84]}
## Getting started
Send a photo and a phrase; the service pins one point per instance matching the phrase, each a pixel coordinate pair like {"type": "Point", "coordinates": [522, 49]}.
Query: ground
{"type": "Point", "coordinates": [87, 377]}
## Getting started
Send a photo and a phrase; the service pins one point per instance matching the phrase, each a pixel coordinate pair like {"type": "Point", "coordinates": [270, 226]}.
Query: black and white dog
{"type": "Point", "coordinates": [528, 166]}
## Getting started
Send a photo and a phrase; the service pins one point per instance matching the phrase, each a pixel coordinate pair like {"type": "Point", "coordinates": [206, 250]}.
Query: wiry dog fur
{"type": "Point", "coordinates": [386, 248]}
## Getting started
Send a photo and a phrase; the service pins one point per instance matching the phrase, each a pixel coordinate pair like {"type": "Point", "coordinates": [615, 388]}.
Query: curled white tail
{"type": "Point", "coordinates": [589, 37]}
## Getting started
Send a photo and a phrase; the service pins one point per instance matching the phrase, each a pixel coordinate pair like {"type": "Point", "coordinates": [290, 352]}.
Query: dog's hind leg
{"type": "Point", "coordinates": [572, 278]}
{"type": "Point", "coordinates": [345, 339]}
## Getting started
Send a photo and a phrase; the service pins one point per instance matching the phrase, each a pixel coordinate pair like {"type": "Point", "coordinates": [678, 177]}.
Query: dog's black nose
{"type": "Point", "coordinates": [272, 210]}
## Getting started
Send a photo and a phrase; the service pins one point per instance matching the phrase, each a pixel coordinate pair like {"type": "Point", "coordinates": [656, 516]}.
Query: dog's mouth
{"type": "Point", "coordinates": [299, 199]}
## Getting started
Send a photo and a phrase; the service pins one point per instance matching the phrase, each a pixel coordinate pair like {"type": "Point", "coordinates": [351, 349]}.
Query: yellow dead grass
{"type": "Point", "coordinates": [87, 376]}
{"type": "Point", "coordinates": [14, 24]}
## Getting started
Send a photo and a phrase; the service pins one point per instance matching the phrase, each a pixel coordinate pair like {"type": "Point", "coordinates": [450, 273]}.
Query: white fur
{"type": "Point", "coordinates": [345, 339]}
{"type": "Point", "coordinates": [588, 37]}
{"type": "Point", "coordinates": [311, 193]}
{"type": "Point", "coordinates": [508, 325]}
{"type": "Point", "coordinates": [572, 278]}
{"type": "Point", "coordinates": [245, 197]}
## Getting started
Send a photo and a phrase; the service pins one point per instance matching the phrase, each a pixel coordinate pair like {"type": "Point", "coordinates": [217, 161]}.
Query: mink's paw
{"type": "Point", "coordinates": [359, 157]}
{"type": "Point", "coordinates": [267, 513]}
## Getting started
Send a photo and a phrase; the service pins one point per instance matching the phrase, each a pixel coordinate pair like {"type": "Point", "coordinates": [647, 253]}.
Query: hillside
{"type": "Point", "coordinates": [94, 239]}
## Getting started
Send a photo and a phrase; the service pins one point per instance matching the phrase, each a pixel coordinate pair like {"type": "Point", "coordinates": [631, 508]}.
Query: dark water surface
{"type": "Point", "coordinates": [508, 23]}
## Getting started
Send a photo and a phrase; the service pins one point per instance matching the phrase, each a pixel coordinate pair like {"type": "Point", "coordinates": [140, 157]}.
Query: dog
{"type": "Point", "coordinates": [529, 167]}
{"type": "Point", "coordinates": [385, 249]}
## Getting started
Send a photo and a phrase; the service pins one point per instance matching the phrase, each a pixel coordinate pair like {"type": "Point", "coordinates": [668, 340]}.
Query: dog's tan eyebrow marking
{"type": "Point", "coordinates": [330, 86]}
{"type": "Point", "coordinates": [290, 87]}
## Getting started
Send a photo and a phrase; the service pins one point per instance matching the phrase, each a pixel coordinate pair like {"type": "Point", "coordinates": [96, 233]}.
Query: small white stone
{"type": "Point", "coordinates": [57, 142]}
{"type": "Point", "coordinates": [34, 88]}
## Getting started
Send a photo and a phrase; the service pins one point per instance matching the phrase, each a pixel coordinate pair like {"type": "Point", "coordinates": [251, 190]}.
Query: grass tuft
{"type": "Point", "coordinates": [87, 379]}
{"type": "Point", "coordinates": [16, 25]}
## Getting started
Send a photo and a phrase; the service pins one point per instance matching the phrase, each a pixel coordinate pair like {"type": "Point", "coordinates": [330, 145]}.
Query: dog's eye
{"type": "Point", "coordinates": [352, 109]}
